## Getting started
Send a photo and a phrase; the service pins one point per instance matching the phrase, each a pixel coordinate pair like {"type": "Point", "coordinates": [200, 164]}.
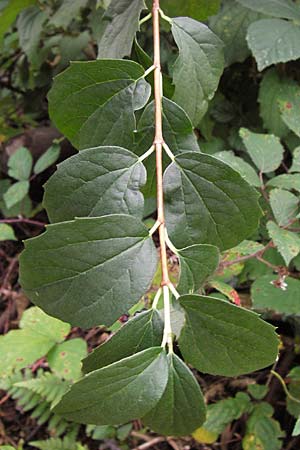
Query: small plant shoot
{"type": "Point", "coordinates": [97, 259]}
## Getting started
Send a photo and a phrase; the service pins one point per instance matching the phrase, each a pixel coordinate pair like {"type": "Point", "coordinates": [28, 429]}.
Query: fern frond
{"type": "Point", "coordinates": [58, 444]}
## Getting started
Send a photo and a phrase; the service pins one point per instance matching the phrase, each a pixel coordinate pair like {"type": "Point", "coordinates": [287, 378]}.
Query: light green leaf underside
{"type": "Point", "coordinates": [15, 193]}
{"type": "Point", "coordinates": [47, 159]}
{"type": "Point", "coordinates": [86, 99]}
{"type": "Point", "coordinates": [181, 408]}
{"type": "Point", "coordinates": [207, 202]}
{"type": "Point", "coordinates": [143, 331]}
{"type": "Point", "coordinates": [286, 181]}
{"type": "Point", "coordinates": [68, 10]}
{"type": "Point", "coordinates": [121, 22]}
{"type": "Point", "coordinates": [197, 263]}
{"type": "Point", "coordinates": [7, 232]}
{"type": "Point", "coordinates": [285, 206]}
{"type": "Point", "coordinates": [287, 242]}
{"type": "Point", "coordinates": [285, 9]}
{"type": "Point", "coordinates": [296, 160]}
{"type": "Point", "coordinates": [65, 359]}
{"type": "Point", "coordinates": [242, 167]}
{"type": "Point", "coordinates": [265, 150]}
{"type": "Point", "coordinates": [10, 13]}
{"type": "Point", "coordinates": [231, 25]}
{"type": "Point", "coordinates": [273, 41]}
{"type": "Point", "coordinates": [266, 295]}
{"type": "Point", "coordinates": [289, 104]}
{"type": "Point", "coordinates": [96, 182]}
{"type": "Point", "coordinates": [89, 271]}
{"type": "Point", "coordinates": [178, 134]}
{"type": "Point", "coordinates": [223, 339]}
{"type": "Point", "coordinates": [20, 164]}
{"type": "Point", "coordinates": [198, 68]}
{"type": "Point", "coordinates": [272, 88]}
{"type": "Point", "coordinates": [118, 393]}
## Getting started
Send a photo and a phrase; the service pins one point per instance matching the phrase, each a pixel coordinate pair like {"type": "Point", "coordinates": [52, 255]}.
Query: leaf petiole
{"type": "Point", "coordinates": [147, 153]}
{"type": "Point", "coordinates": [145, 19]}
{"type": "Point", "coordinates": [164, 16]}
{"type": "Point", "coordinates": [169, 152]}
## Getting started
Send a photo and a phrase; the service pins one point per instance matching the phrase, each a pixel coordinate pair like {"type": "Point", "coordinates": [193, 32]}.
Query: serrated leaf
{"type": "Point", "coordinates": [47, 159]}
{"type": "Point", "coordinates": [296, 160]}
{"type": "Point", "coordinates": [64, 359]}
{"type": "Point", "coordinates": [181, 408]}
{"type": "Point", "coordinates": [197, 263]}
{"type": "Point", "coordinates": [121, 22]}
{"type": "Point", "coordinates": [286, 181]}
{"type": "Point", "coordinates": [10, 12]}
{"type": "Point", "coordinates": [242, 167]}
{"type": "Point", "coordinates": [96, 181]}
{"type": "Point", "coordinates": [15, 193]}
{"type": "Point", "coordinates": [287, 242]}
{"type": "Point", "coordinates": [231, 25]}
{"type": "Point", "coordinates": [285, 9]}
{"type": "Point", "coordinates": [272, 88]}
{"type": "Point", "coordinates": [273, 41]}
{"type": "Point", "coordinates": [207, 202]}
{"type": "Point", "coordinates": [266, 295]}
{"type": "Point", "coordinates": [68, 10]}
{"type": "Point", "coordinates": [285, 206]}
{"type": "Point", "coordinates": [289, 103]}
{"type": "Point", "coordinates": [199, 66]}
{"type": "Point", "coordinates": [197, 9]}
{"type": "Point", "coordinates": [265, 150]}
{"type": "Point", "coordinates": [143, 331]}
{"type": "Point", "coordinates": [89, 271]}
{"type": "Point", "coordinates": [7, 232]}
{"type": "Point", "coordinates": [92, 94]}
{"type": "Point", "coordinates": [223, 339]}
{"type": "Point", "coordinates": [178, 134]}
{"type": "Point", "coordinates": [118, 393]}
{"type": "Point", "coordinates": [20, 164]}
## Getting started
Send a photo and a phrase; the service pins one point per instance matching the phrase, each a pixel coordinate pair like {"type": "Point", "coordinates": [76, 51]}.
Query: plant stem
{"type": "Point", "coordinates": [158, 142]}
{"type": "Point", "coordinates": [23, 220]}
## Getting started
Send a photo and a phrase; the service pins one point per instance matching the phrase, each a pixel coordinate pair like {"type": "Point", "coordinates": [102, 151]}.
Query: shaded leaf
{"type": "Point", "coordinates": [287, 242]}
{"type": "Point", "coordinates": [47, 159]}
{"type": "Point", "coordinates": [207, 202]}
{"type": "Point", "coordinates": [92, 94]}
{"type": "Point", "coordinates": [20, 164]}
{"type": "Point", "coordinates": [197, 9]}
{"type": "Point", "coordinates": [265, 150]}
{"type": "Point", "coordinates": [223, 339]}
{"type": "Point", "coordinates": [285, 9]}
{"type": "Point", "coordinates": [199, 66]}
{"type": "Point", "coordinates": [10, 12]}
{"type": "Point", "coordinates": [64, 359]}
{"type": "Point", "coordinates": [286, 181]}
{"type": "Point", "coordinates": [289, 104]}
{"type": "Point", "coordinates": [118, 393]}
{"type": "Point", "coordinates": [285, 206]}
{"type": "Point", "coordinates": [15, 193]}
{"type": "Point", "coordinates": [89, 271]}
{"type": "Point", "coordinates": [296, 160]}
{"type": "Point", "coordinates": [96, 182]}
{"type": "Point", "coordinates": [181, 408]}
{"type": "Point", "coordinates": [143, 331]}
{"type": "Point", "coordinates": [7, 232]}
{"type": "Point", "coordinates": [68, 10]}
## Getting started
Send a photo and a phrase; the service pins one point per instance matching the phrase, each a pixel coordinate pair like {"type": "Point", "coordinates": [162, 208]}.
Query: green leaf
{"type": "Point", "coordinates": [16, 193]}
{"type": "Point", "coordinates": [47, 159]}
{"type": "Point", "coordinates": [286, 181]}
{"type": "Point", "coordinates": [181, 408]}
{"type": "Point", "coordinates": [287, 242]}
{"type": "Point", "coordinates": [143, 331]}
{"type": "Point", "coordinates": [285, 206]}
{"type": "Point", "coordinates": [258, 391]}
{"type": "Point", "coordinates": [296, 160]}
{"type": "Point", "coordinates": [285, 9]}
{"type": "Point", "coordinates": [231, 25]}
{"type": "Point", "coordinates": [7, 233]}
{"type": "Point", "coordinates": [223, 339]}
{"type": "Point", "coordinates": [178, 134]}
{"type": "Point", "coordinates": [20, 164]}
{"type": "Point", "coordinates": [89, 271]}
{"type": "Point", "coordinates": [289, 104]}
{"type": "Point", "coordinates": [265, 150]}
{"type": "Point", "coordinates": [262, 432]}
{"type": "Point", "coordinates": [36, 320]}
{"type": "Point", "coordinates": [197, 9]}
{"type": "Point", "coordinates": [292, 406]}
{"type": "Point", "coordinates": [207, 202]}
{"type": "Point", "coordinates": [9, 14]}
{"type": "Point", "coordinates": [118, 393]}
{"type": "Point", "coordinates": [296, 430]}
{"type": "Point", "coordinates": [91, 95]}
{"type": "Point", "coordinates": [64, 359]}
{"type": "Point", "coordinates": [121, 22]}
{"type": "Point", "coordinates": [197, 263]}
{"type": "Point", "coordinates": [30, 27]}
{"type": "Point", "coordinates": [273, 41]}
{"type": "Point", "coordinates": [198, 68]}
{"type": "Point", "coordinates": [242, 167]}
{"type": "Point", "coordinates": [68, 10]}
{"type": "Point", "coordinates": [65, 443]}
{"type": "Point", "coordinates": [96, 182]}
{"type": "Point", "coordinates": [266, 295]}
{"type": "Point", "coordinates": [272, 88]}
